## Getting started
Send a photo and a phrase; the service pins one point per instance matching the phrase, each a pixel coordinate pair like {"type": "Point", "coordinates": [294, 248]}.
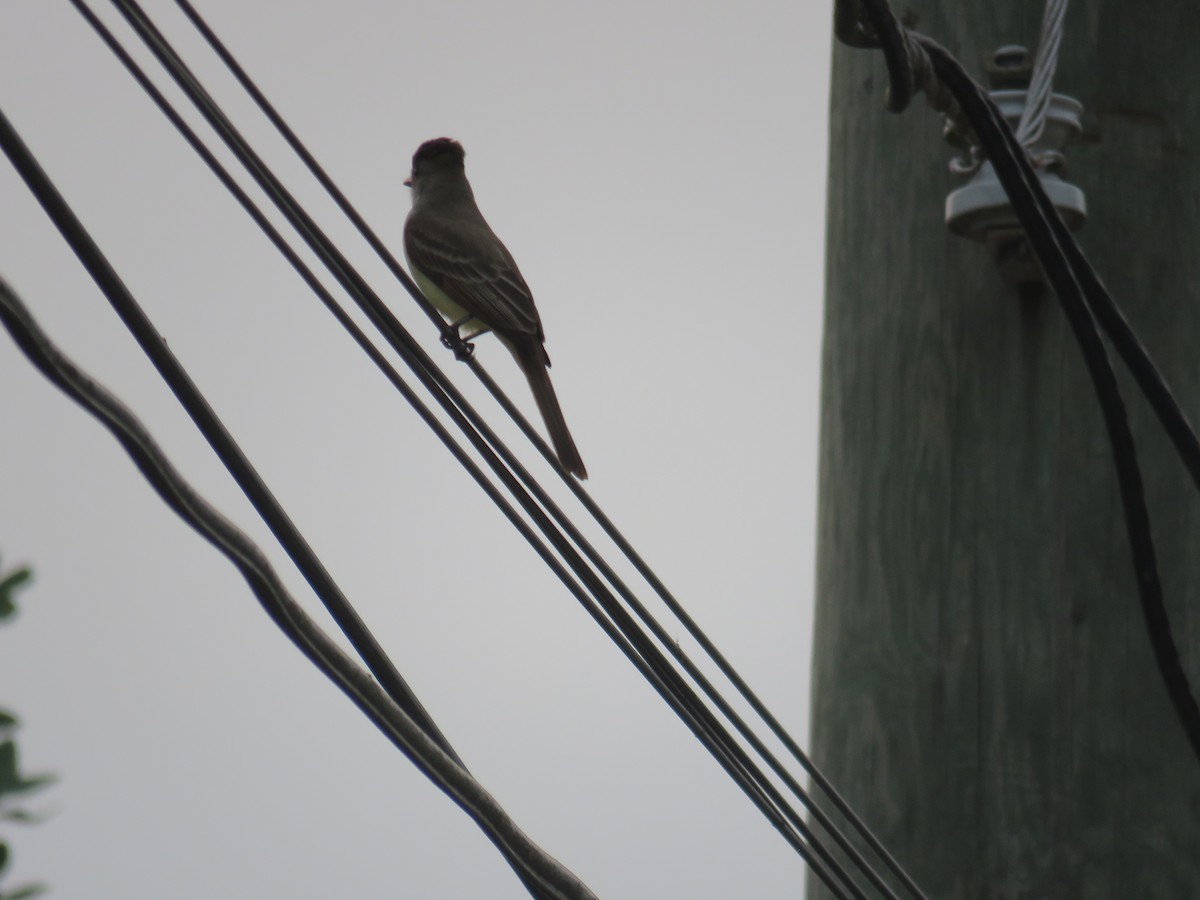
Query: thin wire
{"type": "Point", "coordinates": [1037, 102]}
{"type": "Point", "coordinates": [389, 260]}
{"type": "Point", "coordinates": [606, 524]}
{"type": "Point", "coordinates": [449, 334]}
{"type": "Point", "coordinates": [546, 876]}
{"type": "Point", "coordinates": [731, 750]}
{"type": "Point", "coordinates": [756, 795]}
{"type": "Point", "coordinates": [673, 647]}
{"type": "Point", "coordinates": [362, 340]}
{"type": "Point", "coordinates": [214, 430]}
{"type": "Point", "coordinates": [219, 437]}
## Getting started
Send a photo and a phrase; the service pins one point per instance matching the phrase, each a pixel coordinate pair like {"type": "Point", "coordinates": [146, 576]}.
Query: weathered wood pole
{"type": "Point", "coordinates": [984, 690]}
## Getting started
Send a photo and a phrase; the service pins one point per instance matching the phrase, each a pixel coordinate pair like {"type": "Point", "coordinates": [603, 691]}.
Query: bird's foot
{"type": "Point", "coordinates": [453, 338]}
{"type": "Point", "coordinates": [463, 350]}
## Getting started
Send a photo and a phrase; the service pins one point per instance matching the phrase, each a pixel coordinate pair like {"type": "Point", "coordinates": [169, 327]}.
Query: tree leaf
{"type": "Point", "coordinates": [11, 782]}
{"type": "Point", "coordinates": [8, 586]}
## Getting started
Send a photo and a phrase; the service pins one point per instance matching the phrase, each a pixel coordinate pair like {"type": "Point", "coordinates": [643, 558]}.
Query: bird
{"type": "Point", "coordinates": [467, 273]}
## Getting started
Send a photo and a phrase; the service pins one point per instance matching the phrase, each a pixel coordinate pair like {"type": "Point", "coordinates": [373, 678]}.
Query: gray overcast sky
{"type": "Point", "coordinates": [658, 170]}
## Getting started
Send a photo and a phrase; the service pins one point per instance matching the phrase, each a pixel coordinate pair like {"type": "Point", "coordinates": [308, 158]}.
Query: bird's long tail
{"type": "Point", "coordinates": [533, 362]}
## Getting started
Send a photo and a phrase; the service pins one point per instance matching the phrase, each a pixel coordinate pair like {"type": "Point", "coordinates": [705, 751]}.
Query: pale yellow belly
{"type": "Point", "coordinates": [447, 307]}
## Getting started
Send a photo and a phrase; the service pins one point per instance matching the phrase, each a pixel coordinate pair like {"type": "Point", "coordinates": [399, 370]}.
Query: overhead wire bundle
{"type": "Point", "coordinates": [914, 62]}
{"type": "Point", "coordinates": [417, 738]}
{"type": "Point", "coordinates": [583, 569]}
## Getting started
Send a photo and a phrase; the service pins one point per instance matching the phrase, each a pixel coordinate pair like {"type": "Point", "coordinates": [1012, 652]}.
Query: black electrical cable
{"type": "Point", "coordinates": [871, 23]}
{"type": "Point", "coordinates": [214, 430]}
{"type": "Point", "coordinates": [449, 334]}
{"type": "Point", "coordinates": [545, 876]}
{"type": "Point", "coordinates": [893, 41]}
{"type": "Point", "coordinates": [1084, 300]}
{"type": "Point", "coordinates": [187, 80]}
{"type": "Point", "coordinates": [1137, 359]}
{"type": "Point", "coordinates": [656, 628]}
{"type": "Point", "coordinates": [83, 246]}
{"type": "Point", "coordinates": [606, 524]}
{"type": "Point", "coordinates": [1036, 214]}
{"type": "Point", "coordinates": [731, 749]}
{"type": "Point", "coordinates": [219, 436]}
{"type": "Point", "coordinates": [223, 444]}
{"type": "Point", "coordinates": [661, 633]}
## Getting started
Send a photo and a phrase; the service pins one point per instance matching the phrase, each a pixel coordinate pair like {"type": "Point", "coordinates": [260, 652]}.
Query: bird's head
{"type": "Point", "coordinates": [438, 155]}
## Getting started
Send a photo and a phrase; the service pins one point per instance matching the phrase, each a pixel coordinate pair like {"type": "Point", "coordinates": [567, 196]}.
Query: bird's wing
{"type": "Point", "coordinates": [476, 271]}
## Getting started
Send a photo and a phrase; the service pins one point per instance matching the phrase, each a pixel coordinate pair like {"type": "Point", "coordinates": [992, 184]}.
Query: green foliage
{"type": "Point", "coordinates": [12, 783]}
{"type": "Point", "coordinates": [8, 586]}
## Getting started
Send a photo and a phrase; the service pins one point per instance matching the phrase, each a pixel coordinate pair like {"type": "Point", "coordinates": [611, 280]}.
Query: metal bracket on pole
{"type": "Point", "coordinates": [979, 210]}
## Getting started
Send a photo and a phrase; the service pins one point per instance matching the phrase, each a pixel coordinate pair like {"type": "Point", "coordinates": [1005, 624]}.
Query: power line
{"type": "Point", "coordinates": [593, 509]}
{"type": "Point", "coordinates": [715, 739]}
{"type": "Point", "coordinates": [544, 875]}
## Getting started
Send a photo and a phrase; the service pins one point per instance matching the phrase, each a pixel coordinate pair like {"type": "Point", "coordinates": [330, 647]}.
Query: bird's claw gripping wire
{"type": "Point", "coordinates": [452, 340]}
{"type": "Point", "coordinates": [452, 337]}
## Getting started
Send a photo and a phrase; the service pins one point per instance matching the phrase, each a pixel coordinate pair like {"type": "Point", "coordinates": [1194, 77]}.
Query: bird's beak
{"type": "Point", "coordinates": [408, 181]}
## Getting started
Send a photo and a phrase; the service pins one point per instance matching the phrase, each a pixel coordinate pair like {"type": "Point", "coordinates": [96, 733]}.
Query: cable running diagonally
{"type": "Point", "coordinates": [214, 431]}
{"type": "Point", "coordinates": [729, 748]}
{"type": "Point", "coordinates": [606, 524]}
{"type": "Point", "coordinates": [565, 522]}
{"type": "Point", "coordinates": [545, 876]}
{"type": "Point", "coordinates": [178, 380]}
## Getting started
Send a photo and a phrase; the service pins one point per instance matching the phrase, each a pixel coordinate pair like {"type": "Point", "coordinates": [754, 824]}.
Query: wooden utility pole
{"type": "Point", "coordinates": [984, 690]}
